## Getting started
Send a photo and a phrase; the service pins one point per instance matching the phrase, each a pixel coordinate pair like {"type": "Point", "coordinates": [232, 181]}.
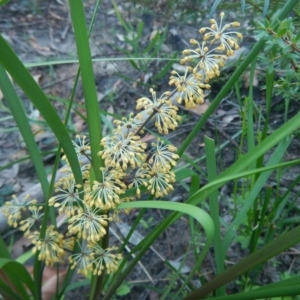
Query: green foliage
{"type": "Point", "coordinates": [281, 53]}
{"type": "Point", "coordinates": [133, 37]}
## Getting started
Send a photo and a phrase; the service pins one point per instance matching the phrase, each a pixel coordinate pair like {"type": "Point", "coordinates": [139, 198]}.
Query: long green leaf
{"type": "Point", "coordinates": [17, 109]}
{"type": "Point", "coordinates": [274, 159]}
{"type": "Point", "coordinates": [18, 274]}
{"type": "Point", "coordinates": [197, 213]}
{"type": "Point", "coordinates": [214, 207]}
{"type": "Point", "coordinates": [200, 215]}
{"type": "Point", "coordinates": [88, 83]}
{"type": "Point", "coordinates": [274, 248]}
{"type": "Point", "coordinates": [23, 78]}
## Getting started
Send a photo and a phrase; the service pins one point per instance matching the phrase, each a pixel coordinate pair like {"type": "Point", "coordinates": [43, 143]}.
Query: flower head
{"type": "Point", "coordinates": [104, 259]}
{"type": "Point", "coordinates": [218, 33]}
{"type": "Point", "coordinates": [140, 178]}
{"type": "Point", "coordinates": [82, 147]}
{"type": "Point", "coordinates": [164, 113]}
{"type": "Point", "coordinates": [163, 156]}
{"type": "Point", "coordinates": [160, 182]}
{"type": "Point", "coordinates": [105, 194]}
{"type": "Point", "coordinates": [189, 88]}
{"type": "Point", "coordinates": [13, 209]}
{"type": "Point", "coordinates": [82, 260]}
{"type": "Point", "coordinates": [208, 61]}
{"type": "Point", "coordinates": [50, 247]}
{"type": "Point", "coordinates": [127, 125]}
{"type": "Point", "coordinates": [25, 225]}
{"type": "Point", "coordinates": [88, 224]}
{"type": "Point", "coordinates": [68, 200]}
{"type": "Point", "coordinates": [121, 150]}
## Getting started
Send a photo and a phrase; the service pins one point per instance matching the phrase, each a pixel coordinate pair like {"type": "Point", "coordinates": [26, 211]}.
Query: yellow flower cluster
{"type": "Point", "coordinates": [129, 162]}
{"type": "Point", "coordinates": [218, 43]}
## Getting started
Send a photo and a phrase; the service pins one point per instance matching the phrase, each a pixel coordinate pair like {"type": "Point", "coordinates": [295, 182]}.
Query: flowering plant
{"type": "Point", "coordinates": [87, 205]}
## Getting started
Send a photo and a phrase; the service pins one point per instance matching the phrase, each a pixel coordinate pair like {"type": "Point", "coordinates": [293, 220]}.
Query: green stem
{"type": "Point", "coordinates": [92, 107]}
{"type": "Point", "coordinates": [88, 83]}
{"type": "Point", "coordinates": [214, 209]}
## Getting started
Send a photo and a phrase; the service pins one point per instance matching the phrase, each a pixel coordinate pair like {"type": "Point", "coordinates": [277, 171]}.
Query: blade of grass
{"type": "Point", "coordinates": [274, 248]}
{"type": "Point", "coordinates": [269, 95]}
{"type": "Point", "coordinates": [214, 207]}
{"type": "Point", "coordinates": [92, 108]}
{"type": "Point", "coordinates": [22, 77]}
{"type": "Point", "coordinates": [249, 109]}
{"type": "Point", "coordinates": [274, 159]}
{"type": "Point", "coordinates": [88, 83]}
{"type": "Point", "coordinates": [17, 110]}
{"type": "Point", "coordinates": [287, 287]}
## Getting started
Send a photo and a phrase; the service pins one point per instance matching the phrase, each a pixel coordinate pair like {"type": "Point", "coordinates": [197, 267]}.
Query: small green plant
{"type": "Point", "coordinates": [142, 55]}
{"type": "Point", "coordinates": [281, 54]}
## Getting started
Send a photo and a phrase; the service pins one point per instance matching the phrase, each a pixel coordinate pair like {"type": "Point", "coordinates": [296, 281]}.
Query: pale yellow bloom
{"type": "Point", "coordinates": [104, 259]}
{"type": "Point", "coordinates": [50, 247]}
{"type": "Point", "coordinates": [82, 260]}
{"type": "Point", "coordinates": [207, 60]}
{"type": "Point", "coordinates": [218, 33]}
{"type": "Point", "coordinates": [160, 183]}
{"type": "Point", "coordinates": [127, 125]}
{"type": "Point", "coordinates": [68, 200]}
{"type": "Point", "coordinates": [88, 224]}
{"type": "Point", "coordinates": [25, 225]}
{"type": "Point", "coordinates": [82, 147]}
{"type": "Point", "coordinates": [105, 194]}
{"type": "Point", "coordinates": [164, 113]}
{"type": "Point", "coordinates": [121, 150]}
{"type": "Point", "coordinates": [164, 156]}
{"type": "Point", "coordinates": [189, 88]}
{"type": "Point", "coordinates": [13, 209]}
{"type": "Point", "coordinates": [140, 179]}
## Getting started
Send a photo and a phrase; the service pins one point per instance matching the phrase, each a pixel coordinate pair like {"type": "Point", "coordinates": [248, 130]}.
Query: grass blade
{"type": "Point", "coordinates": [214, 208]}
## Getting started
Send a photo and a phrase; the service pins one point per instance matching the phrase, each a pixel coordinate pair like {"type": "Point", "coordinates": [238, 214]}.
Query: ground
{"type": "Point", "coordinates": [42, 31]}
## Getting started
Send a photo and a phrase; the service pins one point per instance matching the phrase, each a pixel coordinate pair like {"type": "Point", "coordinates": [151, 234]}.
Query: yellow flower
{"type": "Point", "coordinates": [160, 183]}
{"type": "Point", "coordinates": [140, 179]}
{"type": "Point", "coordinates": [208, 61]}
{"type": "Point", "coordinates": [13, 209]}
{"type": "Point", "coordinates": [164, 113]}
{"type": "Point", "coordinates": [104, 259]}
{"type": "Point", "coordinates": [25, 225]}
{"type": "Point", "coordinates": [82, 147]}
{"type": "Point", "coordinates": [127, 125]}
{"type": "Point", "coordinates": [68, 200]}
{"type": "Point", "coordinates": [105, 194]}
{"type": "Point", "coordinates": [82, 260]}
{"type": "Point", "coordinates": [217, 33]}
{"type": "Point", "coordinates": [121, 150]}
{"type": "Point", "coordinates": [88, 224]}
{"type": "Point", "coordinates": [50, 247]}
{"type": "Point", "coordinates": [189, 88]}
{"type": "Point", "coordinates": [163, 156]}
